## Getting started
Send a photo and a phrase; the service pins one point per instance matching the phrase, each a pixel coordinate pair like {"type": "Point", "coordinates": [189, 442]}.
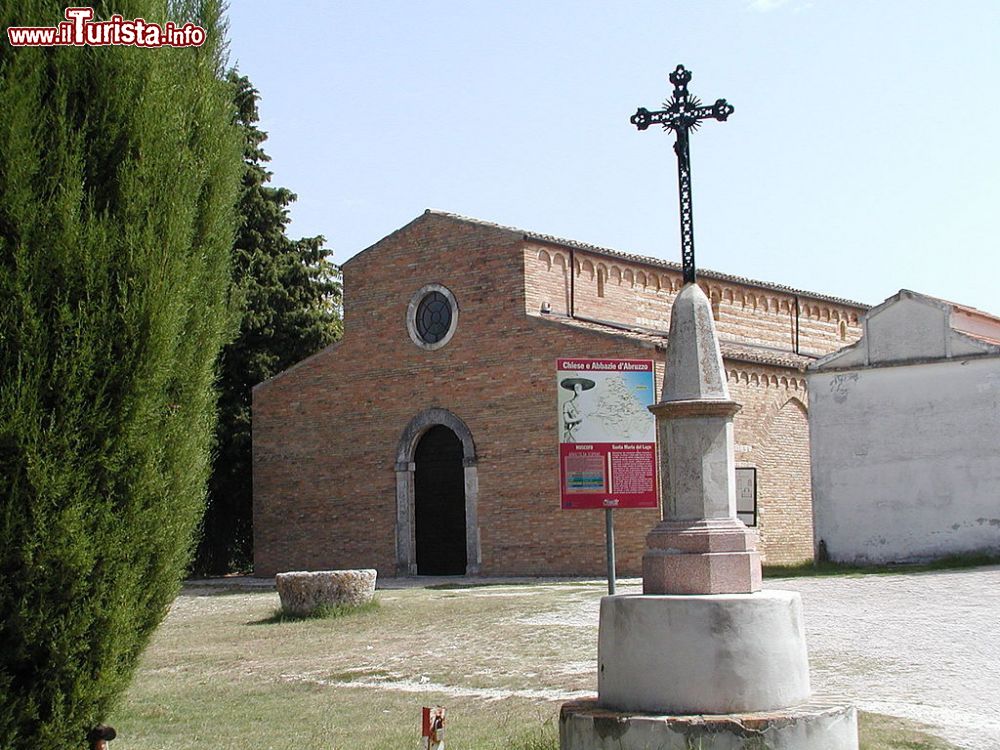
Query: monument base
{"type": "Point", "coordinates": [716, 654]}
{"type": "Point", "coordinates": [707, 556]}
{"type": "Point", "coordinates": [584, 725]}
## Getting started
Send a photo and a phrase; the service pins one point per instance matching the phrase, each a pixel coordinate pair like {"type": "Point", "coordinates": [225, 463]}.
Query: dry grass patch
{"type": "Point", "coordinates": [879, 732]}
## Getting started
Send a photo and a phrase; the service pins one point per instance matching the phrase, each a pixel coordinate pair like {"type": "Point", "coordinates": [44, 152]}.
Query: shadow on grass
{"type": "Point", "coordinates": [504, 583]}
{"type": "Point", "coordinates": [322, 612]}
{"type": "Point", "coordinates": [198, 590]}
{"type": "Point", "coordinates": [477, 585]}
{"type": "Point", "coordinates": [952, 562]}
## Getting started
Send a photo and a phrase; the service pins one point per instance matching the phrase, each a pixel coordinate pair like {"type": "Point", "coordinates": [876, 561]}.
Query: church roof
{"type": "Point", "coordinates": [646, 260]}
{"type": "Point", "coordinates": [973, 322]}
{"type": "Point", "coordinates": [731, 350]}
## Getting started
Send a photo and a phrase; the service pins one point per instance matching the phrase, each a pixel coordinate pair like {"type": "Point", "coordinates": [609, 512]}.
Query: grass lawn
{"type": "Point", "coordinates": [952, 562]}
{"type": "Point", "coordinates": [223, 672]}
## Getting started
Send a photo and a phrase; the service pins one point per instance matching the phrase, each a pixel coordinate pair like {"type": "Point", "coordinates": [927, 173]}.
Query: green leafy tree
{"type": "Point", "coordinates": [292, 298]}
{"type": "Point", "coordinates": [119, 173]}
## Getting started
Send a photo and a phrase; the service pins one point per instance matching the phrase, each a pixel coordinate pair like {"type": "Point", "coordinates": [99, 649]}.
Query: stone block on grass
{"type": "Point", "coordinates": [301, 592]}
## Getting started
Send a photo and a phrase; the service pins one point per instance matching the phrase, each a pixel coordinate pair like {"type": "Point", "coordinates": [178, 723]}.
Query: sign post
{"type": "Point", "coordinates": [607, 439]}
{"type": "Point", "coordinates": [609, 535]}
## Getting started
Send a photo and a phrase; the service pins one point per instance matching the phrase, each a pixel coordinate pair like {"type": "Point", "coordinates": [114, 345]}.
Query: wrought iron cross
{"type": "Point", "coordinates": [683, 113]}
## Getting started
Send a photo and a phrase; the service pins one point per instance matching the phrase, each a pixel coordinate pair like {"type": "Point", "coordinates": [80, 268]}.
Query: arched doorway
{"type": "Point", "coordinates": [439, 503]}
{"type": "Point", "coordinates": [407, 559]}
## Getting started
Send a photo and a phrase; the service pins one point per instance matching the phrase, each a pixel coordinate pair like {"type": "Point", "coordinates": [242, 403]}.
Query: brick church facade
{"type": "Point", "coordinates": [444, 384]}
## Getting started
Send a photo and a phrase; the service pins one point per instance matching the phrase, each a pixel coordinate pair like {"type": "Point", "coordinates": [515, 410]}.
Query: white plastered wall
{"type": "Point", "coordinates": [906, 459]}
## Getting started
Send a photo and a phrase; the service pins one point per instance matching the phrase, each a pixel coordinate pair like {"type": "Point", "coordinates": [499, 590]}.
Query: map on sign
{"type": "Point", "coordinates": [612, 409]}
{"type": "Point", "coordinates": [607, 436]}
{"type": "Point", "coordinates": [622, 409]}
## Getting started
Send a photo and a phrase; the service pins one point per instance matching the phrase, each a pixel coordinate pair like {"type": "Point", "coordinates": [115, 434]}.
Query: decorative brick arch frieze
{"type": "Point", "coordinates": [749, 377]}
{"type": "Point", "coordinates": [406, 547]}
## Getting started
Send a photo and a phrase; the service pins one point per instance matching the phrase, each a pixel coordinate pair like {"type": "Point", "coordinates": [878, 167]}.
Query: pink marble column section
{"type": "Point", "coordinates": [700, 546]}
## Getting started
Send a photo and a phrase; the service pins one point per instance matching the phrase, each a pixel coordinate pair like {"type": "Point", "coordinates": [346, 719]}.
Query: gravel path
{"type": "Point", "coordinates": [924, 646]}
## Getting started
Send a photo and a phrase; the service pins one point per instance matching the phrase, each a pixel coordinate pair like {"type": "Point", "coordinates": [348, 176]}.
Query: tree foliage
{"type": "Point", "coordinates": [119, 171]}
{"type": "Point", "coordinates": [291, 310]}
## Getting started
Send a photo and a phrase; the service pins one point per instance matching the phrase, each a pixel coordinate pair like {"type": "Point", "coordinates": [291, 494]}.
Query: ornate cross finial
{"type": "Point", "coordinates": [683, 113]}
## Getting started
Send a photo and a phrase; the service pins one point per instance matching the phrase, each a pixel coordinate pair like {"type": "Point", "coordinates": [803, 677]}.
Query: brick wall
{"type": "Point", "coordinates": [640, 294]}
{"type": "Point", "coordinates": [772, 435]}
{"type": "Point", "coordinates": [326, 432]}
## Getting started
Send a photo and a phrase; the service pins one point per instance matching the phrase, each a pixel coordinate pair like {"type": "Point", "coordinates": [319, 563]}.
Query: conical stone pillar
{"type": "Point", "coordinates": [700, 547]}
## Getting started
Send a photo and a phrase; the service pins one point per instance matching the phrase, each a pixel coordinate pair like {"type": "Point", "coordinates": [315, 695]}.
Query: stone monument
{"type": "Point", "coordinates": [703, 657]}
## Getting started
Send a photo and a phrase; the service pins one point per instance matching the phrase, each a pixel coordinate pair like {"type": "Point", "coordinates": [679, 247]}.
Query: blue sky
{"type": "Point", "coordinates": [863, 155]}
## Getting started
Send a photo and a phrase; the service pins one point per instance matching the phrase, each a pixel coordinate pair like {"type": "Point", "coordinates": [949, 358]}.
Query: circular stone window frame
{"type": "Point", "coordinates": [411, 316]}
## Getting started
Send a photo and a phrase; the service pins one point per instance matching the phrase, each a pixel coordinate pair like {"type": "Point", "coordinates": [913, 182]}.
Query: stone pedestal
{"type": "Point", "coordinates": [301, 592]}
{"type": "Point", "coordinates": [713, 672]}
{"type": "Point", "coordinates": [700, 557]}
{"type": "Point", "coordinates": [702, 654]}
{"type": "Point", "coordinates": [584, 725]}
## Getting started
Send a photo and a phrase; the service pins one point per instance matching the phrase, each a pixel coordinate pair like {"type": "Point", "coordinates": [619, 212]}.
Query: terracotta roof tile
{"type": "Point", "coordinates": [730, 349]}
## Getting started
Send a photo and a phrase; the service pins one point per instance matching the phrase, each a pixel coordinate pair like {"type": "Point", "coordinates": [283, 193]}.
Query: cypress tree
{"type": "Point", "coordinates": [119, 170]}
{"type": "Point", "coordinates": [291, 294]}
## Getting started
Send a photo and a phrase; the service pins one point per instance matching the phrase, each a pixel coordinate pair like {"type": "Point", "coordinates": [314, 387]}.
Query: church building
{"type": "Point", "coordinates": [426, 440]}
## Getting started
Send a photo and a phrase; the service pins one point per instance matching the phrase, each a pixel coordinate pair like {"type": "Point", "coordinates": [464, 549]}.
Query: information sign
{"type": "Point", "coordinates": [746, 494]}
{"type": "Point", "coordinates": [607, 435]}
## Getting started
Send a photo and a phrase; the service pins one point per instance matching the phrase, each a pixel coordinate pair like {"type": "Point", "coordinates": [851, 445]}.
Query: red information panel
{"type": "Point", "coordinates": [607, 436]}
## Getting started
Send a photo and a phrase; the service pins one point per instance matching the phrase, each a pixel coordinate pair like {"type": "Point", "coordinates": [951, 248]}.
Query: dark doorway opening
{"type": "Point", "coordinates": [439, 503]}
